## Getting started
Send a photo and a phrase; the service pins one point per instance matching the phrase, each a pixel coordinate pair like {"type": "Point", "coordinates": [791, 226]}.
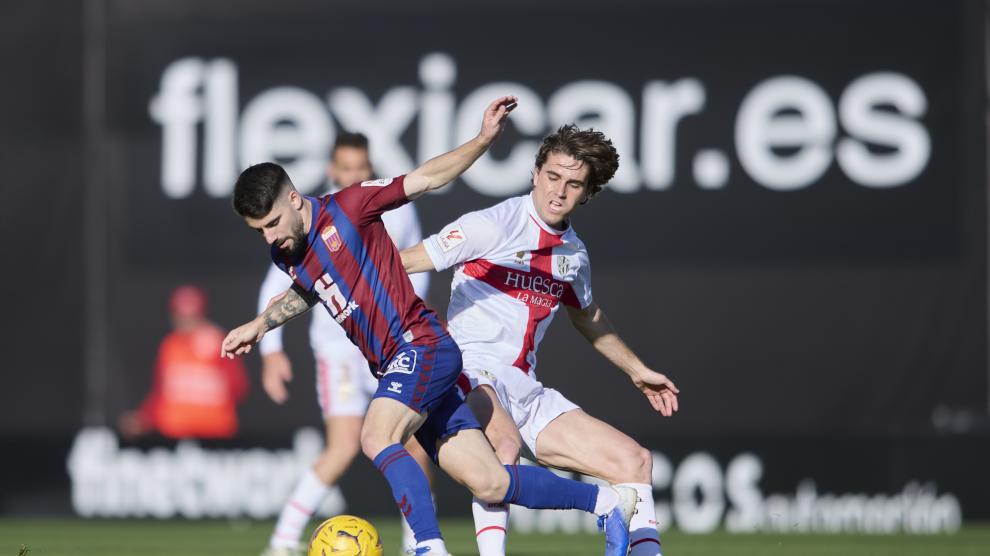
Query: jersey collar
{"type": "Point", "coordinates": [531, 207]}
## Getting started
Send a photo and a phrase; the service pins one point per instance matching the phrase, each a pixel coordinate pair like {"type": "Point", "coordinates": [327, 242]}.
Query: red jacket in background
{"type": "Point", "coordinates": [195, 391]}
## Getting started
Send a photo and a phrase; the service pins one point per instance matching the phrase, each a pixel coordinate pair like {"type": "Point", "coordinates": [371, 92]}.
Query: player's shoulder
{"type": "Point", "coordinates": [504, 212]}
{"type": "Point", "coordinates": [402, 213]}
{"type": "Point", "coordinates": [571, 237]}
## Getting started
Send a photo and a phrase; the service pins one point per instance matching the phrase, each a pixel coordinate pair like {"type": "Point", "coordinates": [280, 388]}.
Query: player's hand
{"type": "Point", "coordinates": [240, 340]}
{"type": "Point", "coordinates": [276, 370]}
{"type": "Point", "coordinates": [496, 116]}
{"type": "Point", "coordinates": [659, 390]}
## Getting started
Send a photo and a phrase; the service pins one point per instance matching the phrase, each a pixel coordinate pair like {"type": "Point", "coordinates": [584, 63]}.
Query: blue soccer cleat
{"type": "Point", "coordinates": [426, 551]}
{"type": "Point", "coordinates": [615, 523]}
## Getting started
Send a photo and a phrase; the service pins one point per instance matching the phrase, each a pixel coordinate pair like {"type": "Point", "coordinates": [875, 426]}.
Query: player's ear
{"type": "Point", "coordinates": [585, 194]}
{"type": "Point", "coordinates": [536, 171]}
{"type": "Point", "coordinates": [295, 199]}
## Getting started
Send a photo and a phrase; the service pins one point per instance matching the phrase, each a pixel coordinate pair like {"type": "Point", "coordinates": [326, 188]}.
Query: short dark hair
{"type": "Point", "coordinates": [350, 139]}
{"type": "Point", "coordinates": [258, 187]}
{"type": "Point", "coordinates": [587, 146]}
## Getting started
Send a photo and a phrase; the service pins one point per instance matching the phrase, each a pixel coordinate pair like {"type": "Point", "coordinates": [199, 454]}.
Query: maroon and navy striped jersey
{"type": "Point", "coordinates": [352, 266]}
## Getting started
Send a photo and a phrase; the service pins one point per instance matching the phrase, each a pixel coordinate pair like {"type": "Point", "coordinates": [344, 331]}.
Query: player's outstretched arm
{"type": "Point", "coordinates": [240, 340]}
{"type": "Point", "coordinates": [439, 171]}
{"type": "Point", "coordinates": [415, 259]}
{"type": "Point", "coordinates": [592, 323]}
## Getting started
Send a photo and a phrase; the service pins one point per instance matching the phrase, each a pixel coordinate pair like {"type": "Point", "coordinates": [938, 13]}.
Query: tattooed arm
{"type": "Point", "coordinates": [281, 310]}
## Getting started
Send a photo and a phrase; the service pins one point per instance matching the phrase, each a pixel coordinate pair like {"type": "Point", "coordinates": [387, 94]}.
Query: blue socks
{"type": "Point", "coordinates": [411, 491]}
{"type": "Point", "coordinates": [538, 488]}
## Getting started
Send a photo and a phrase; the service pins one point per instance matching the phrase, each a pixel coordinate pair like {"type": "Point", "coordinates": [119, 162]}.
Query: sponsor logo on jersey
{"type": "Point", "coordinates": [403, 363]}
{"type": "Point", "coordinates": [382, 182]}
{"type": "Point", "coordinates": [342, 316]}
{"type": "Point", "coordinates": [331, 238]}
{"type": "Point", "coordinates": [535, 283]}
{"type": "Point", "coordinates": [451, 237]}
{"type": "Point", "coordinates": [395, 387]}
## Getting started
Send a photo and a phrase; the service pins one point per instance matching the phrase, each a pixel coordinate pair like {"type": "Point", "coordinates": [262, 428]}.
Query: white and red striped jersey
{"type": "Point", "coordinates": [513, 271]}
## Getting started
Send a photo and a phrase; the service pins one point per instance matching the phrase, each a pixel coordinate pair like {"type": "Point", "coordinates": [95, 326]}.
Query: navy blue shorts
{"type": "Point", "coordinates": [424, 378]}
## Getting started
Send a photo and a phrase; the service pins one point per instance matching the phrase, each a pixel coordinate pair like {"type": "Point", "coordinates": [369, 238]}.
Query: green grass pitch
{"type": "Point", "coordinates": [76, 537]}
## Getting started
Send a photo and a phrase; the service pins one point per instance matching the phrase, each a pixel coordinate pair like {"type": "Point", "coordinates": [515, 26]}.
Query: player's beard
{"type": "Point", "coordinates": [298, 237]}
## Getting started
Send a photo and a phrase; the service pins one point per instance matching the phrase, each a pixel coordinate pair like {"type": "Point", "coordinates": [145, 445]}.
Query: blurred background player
{"type": "Point", "coordinates": [344, 385]}
{"type": "Point", "coordinates": [516, 263]}
{"type": "Point", "coordinates": [195, 392]}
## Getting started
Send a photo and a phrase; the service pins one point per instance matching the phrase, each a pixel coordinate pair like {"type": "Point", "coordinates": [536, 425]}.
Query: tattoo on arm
{"type": "Point", "coordinates": [294, 303]}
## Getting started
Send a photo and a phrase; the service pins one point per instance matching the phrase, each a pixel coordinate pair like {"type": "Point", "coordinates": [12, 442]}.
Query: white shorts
{"type": "Point", "coordinates": [527, 401]}
{"type": "Point", "coordinates": [344, 385]}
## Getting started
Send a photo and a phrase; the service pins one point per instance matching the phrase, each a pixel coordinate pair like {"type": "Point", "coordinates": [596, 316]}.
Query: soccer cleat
{"type": "Point", "coordinates": [615, 523]}
{"type": "Point", "coordinates": [298, 550]}
{"type": "Point", "coordinates": [426, 551]}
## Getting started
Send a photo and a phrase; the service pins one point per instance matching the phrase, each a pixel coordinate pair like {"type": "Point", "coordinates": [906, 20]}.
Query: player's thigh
{"type": "Point", "coordinates": [468, 458]}
{"type": "Point", "coordinates": [344, 386]}
{"type": "Point", "coordinates": [498, 425]}
{"type": "Point", "coordinates": [388, 422]}
{"type": "Point", "coordinates": [576, 441]}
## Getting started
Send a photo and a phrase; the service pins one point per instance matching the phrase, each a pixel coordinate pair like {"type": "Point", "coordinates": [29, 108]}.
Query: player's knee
{"type": "Point", "coordinates": [372, 443]}
{"type": "Point", "coordinates": [489, 487]}
{"type": "Point", "coordinates": [637, 465]}
{"type": "Point", "coordinates": [508, 450]}
{"type": "Point", "coordinates": [339, 451]}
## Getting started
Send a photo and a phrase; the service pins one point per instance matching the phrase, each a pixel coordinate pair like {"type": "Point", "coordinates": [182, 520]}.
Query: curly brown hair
{"type": "Point", "coordinates": [587, 146]}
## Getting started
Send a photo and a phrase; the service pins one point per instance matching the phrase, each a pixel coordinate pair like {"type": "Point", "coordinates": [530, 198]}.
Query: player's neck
{"type": "Point", "coordinates": [307, 215]}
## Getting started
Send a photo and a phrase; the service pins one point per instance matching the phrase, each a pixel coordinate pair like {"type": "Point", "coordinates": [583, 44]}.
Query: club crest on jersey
{"type": "Point", "coordinates": [403, 363]}
{"type": "Point", "coordinates": [376, 183]}
{"type": "Point", "coordinates": [563, 265]}
{"type": "Point", "coordinates": [451, 237]}
{"type": "Point", "coordinates": [331, 238]}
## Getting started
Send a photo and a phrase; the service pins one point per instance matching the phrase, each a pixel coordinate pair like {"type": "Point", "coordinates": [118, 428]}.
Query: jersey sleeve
{"type": "Point", "coordinates": [470, 237]}
{"type": "Point", "coordinates": [369, 199]}
{"type": "Point", "coordinates": [275, 283]}
{"type": "Point", "coordinates": [580, 291]}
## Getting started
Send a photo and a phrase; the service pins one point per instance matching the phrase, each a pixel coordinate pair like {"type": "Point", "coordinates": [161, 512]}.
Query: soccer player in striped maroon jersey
{"type": "Point", "coordinates": [338, 253]}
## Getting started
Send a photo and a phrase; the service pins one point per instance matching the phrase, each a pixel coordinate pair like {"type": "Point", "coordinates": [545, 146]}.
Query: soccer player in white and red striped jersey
{"type": "Point", "coordinates": [516, 262]}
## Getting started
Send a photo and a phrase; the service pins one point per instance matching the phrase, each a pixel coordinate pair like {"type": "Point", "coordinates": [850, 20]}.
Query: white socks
{"type": "Point", "coordinates": [607, 499]}
{"type": "Point", "coordinates": [408, 537]}
{"type": "Point", "coordinates": [644, 540]}
{"type": "Point", "coordinates": [490, 521]}
{"type": "Point", "coordinates": [436, 546]}
{"type": "Point", "coordinates": [306, 497]}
